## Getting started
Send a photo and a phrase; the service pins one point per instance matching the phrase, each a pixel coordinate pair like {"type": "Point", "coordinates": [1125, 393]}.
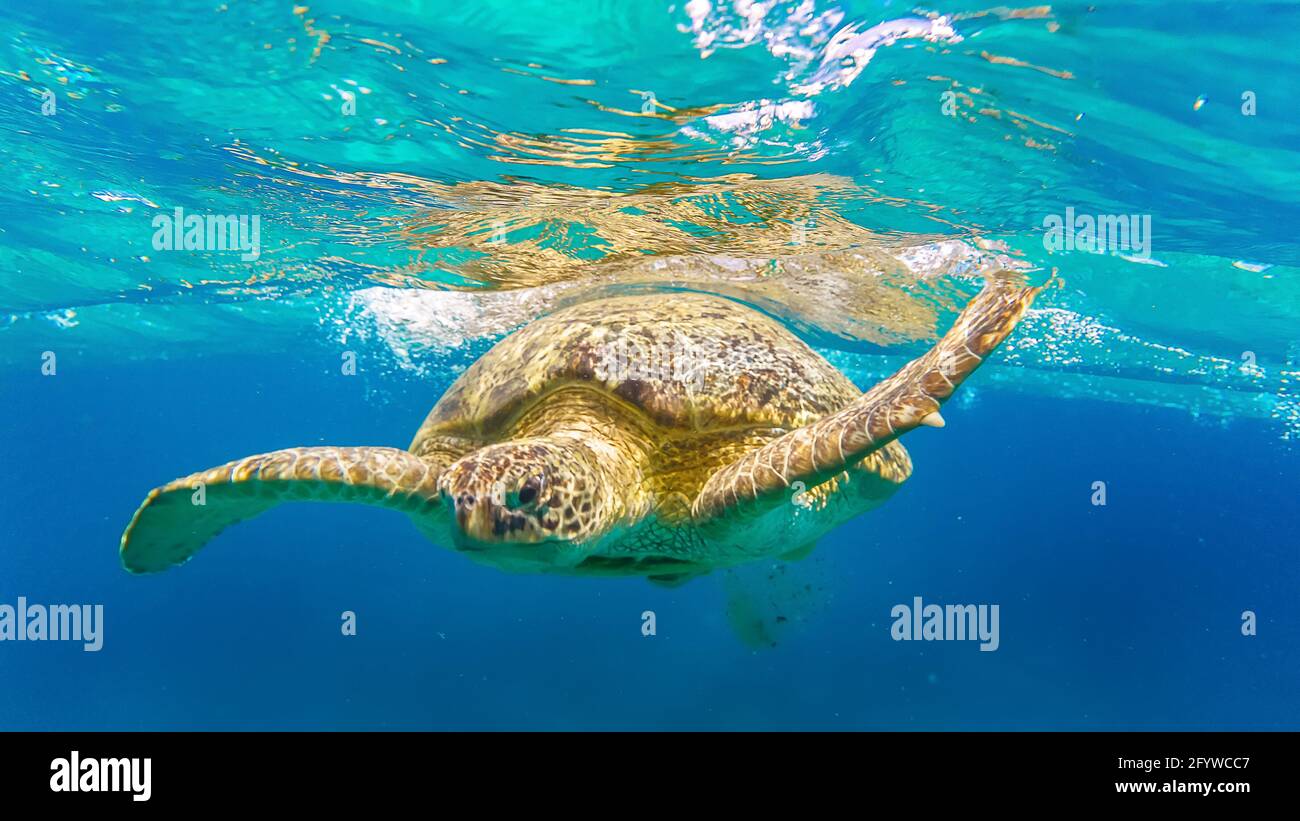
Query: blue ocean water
{"type": "Point", "coordinates": [429, 176]}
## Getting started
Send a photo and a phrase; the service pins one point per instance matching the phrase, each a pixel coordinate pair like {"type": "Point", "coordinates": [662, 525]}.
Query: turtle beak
{"type": "Point", "coordinates": [479, 521]}
{"type": "Point", "coordinates": [464, 507]}
{"type": "Point", "coordinates": [484, 538]}
{"type": "Point", "coordinates": [473, 518]}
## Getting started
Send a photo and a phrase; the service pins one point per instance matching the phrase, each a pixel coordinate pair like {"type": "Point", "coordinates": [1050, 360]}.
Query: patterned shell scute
{"type": "Point", "coordinates": [688, 361]}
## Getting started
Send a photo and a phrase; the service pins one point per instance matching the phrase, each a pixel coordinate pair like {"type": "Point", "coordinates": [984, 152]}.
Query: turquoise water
{"type": "Point", "coordinates": [426, 177]}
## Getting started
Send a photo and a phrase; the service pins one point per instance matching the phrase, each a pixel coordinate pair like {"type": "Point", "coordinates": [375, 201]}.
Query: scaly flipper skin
{"type": "Point", "coordinates": [171, 526]}
{"type": "Point", "coordinates": [893, 407]}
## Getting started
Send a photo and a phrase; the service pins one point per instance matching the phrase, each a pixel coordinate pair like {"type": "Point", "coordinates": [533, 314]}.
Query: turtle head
{"type": "Point", "coordinates": [531, 501]}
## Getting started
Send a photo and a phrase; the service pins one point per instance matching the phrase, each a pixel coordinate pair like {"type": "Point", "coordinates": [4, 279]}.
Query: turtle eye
{"type": "Point", "coordinates": [532, 487]}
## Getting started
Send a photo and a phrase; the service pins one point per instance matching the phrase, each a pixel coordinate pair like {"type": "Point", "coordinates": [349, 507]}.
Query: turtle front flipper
{"type": "Point", "coordinates": [760, 479]}
{"type": "Point", "coordinates": [180, 517]}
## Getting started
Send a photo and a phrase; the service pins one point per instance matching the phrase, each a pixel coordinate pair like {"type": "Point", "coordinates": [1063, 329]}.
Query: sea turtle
{"type": "Point", "coordinates": [657, 435]}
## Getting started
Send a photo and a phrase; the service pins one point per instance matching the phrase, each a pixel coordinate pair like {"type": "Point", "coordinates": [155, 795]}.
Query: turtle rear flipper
{"type": "Point", "coordinates": [893, 407]}
{"type": "Point", "coordinates": [177, 519]}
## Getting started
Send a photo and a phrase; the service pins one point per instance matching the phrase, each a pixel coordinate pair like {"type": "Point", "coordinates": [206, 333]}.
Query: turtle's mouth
{"type": "Point", "coordinates": [524, 554]}
{"type": "Point", "coordinates": [487, 522]}
{"type": "Point", "coordinates": [494, 533]}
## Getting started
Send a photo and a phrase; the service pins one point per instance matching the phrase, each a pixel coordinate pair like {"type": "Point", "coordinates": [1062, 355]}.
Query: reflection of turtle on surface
{"type": "Point", "coordinates": [547, 455]}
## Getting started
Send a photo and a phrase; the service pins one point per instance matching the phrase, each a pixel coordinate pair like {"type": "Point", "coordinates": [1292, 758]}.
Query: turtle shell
{"type": "Point", "coordinates": [688, 361]}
